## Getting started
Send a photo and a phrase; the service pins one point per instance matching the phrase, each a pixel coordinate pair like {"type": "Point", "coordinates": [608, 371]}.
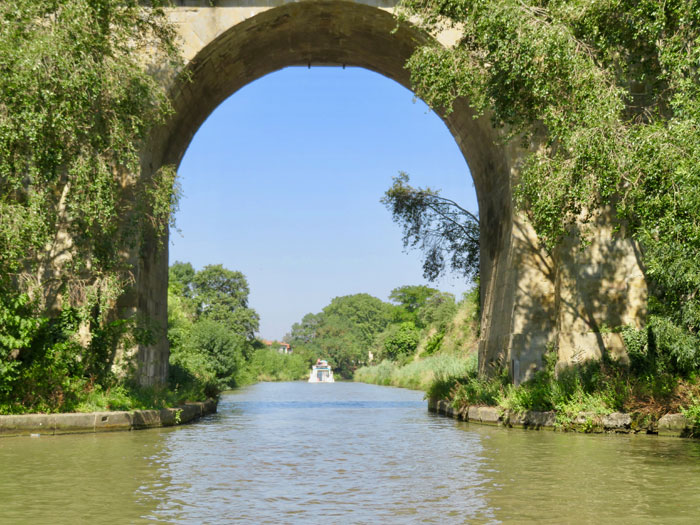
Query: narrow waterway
{"type": "Point", "coordinates": [345, 453]}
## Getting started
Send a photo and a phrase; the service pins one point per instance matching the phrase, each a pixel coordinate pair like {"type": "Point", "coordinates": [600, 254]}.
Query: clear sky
{"type": "Point", "coordinates": [283, 182]}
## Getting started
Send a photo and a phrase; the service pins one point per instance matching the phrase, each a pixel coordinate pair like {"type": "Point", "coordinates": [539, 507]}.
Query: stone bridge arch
{"type": "Point", "coordinates": [529, 299]}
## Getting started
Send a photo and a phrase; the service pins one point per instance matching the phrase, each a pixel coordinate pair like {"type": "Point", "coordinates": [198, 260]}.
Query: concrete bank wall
{"type": "Point", "coordinates": [76, 423]}
{"type": "Point", "coordinates": [675, 425]}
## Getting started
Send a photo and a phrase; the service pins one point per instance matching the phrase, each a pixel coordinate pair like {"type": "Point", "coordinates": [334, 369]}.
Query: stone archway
{"type": "Point", "coordinates": [529, 299]}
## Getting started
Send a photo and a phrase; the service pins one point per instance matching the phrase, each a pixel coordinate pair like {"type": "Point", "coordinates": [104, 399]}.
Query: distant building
{"type": "Point", "coordinates": [282, 348]}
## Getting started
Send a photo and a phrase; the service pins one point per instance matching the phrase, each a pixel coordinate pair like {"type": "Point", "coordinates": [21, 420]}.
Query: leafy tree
{"type": "Point", "coordinates": [222, 348]}
{"type": "Point", "coordinates": [439, 227]}
{"type": "Point", "coordinates": [222, 295]}
{"type": "Point", "coordinates": [419, 304]}
{"type": "Point", "coordinates": [362, 315]}
{"type": "Point", "coordinates": [269, 365]}
{"type": "Point", "coordinates": [402, 342]}
{"type": "Point", "coordinates": [343, 332]}
{"type": "Point", "coordinates": [340, 342]}
{"type": "Point", "coordinates": [181, 279]}
{"type": "Point", "coordinates": [304, 332]}
{"type": "Point", "coordinates": [210, 327]}
{"type": "Point", "coordinates": [611, 91]}
{"type": "Point", "coordinates": [438, 310]}
{"type": "Point", "coordinates": [411, 298]}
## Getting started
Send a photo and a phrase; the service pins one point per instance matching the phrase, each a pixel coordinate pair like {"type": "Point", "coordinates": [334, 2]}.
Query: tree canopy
{"type": "Point", "coordinates": [413, 297]}
{"type": "Point", "coordinates": [215, 293]}
{"type": "Point", "coordinates": [344, 331]}
{"type": "Point", "coordinates": [352, 328]}
{"type": "Point", "coordinates": [222, 295]}
{"type": "Point", "coordinates": [211, 329]}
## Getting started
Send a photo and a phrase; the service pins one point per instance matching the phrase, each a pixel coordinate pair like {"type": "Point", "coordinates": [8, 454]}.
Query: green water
{"type": "Point", "coordinates": [345, 453]}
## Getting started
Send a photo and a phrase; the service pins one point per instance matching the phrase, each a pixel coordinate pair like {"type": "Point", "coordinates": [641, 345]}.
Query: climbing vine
{"type": "Point", "coordinates": [610, 91]}
{"type": "Point", "coordinates": [77, 100]}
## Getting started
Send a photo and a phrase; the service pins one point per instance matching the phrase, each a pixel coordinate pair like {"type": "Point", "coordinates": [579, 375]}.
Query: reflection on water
{"type": "Point", "coordinates": [345, 453]}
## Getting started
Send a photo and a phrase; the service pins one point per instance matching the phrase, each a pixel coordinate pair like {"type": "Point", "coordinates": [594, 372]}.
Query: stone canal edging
{"type": "Point", "coordinates": [669, 425]}
{"type": "Point", "coordinates": [90, 422]}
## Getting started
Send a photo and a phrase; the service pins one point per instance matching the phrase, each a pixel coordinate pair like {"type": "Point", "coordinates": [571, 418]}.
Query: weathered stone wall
{"type": "Point", "coordinates": [92, 422]}
{"type": "Point", "coordinates": [670, 425]}
{"type": "Point", "coordinates": [529, 298]}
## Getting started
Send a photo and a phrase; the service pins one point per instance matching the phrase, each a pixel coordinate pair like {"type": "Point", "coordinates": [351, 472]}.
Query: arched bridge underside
{"type": "Point", "coordinates": [529, 299]}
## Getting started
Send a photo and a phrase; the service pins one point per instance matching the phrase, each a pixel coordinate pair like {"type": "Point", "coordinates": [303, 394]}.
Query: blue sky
{"type": "Point", "coordinates": [283, 182]}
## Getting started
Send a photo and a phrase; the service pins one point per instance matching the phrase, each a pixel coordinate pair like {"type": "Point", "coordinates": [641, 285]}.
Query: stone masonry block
{"type": "Point", "coordinates": [25, 425]}
{"type": "Point", "coordinates": [540, 419]}
{"type": "Point", "coordinates": [189, 412]}
{"type": "Point", "coordinates": [617, 422]}
{"type": "Point", "coordinates": [489, 415]}
{"type": "Point", "coordinates": [74, 423]}
{"type": "Point", "coordinates": [432, 404]}
{"type": "Point", "coordinates": [146, 418]}
{"type": "Point", "coordinates": [673, 425]}
{"type": "Point", "coordinates": [110, 421]}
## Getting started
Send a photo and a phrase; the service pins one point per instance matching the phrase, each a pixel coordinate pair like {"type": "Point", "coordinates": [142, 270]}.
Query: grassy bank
{"type": "Point", "coordinates": [650, 385]}
{"type": "Point", "coordinates": [419, 374]}
{"type": "Point", "coordinates": [119, 396]}
{"type": "Point", "coordinates": [595, 388]}
{"type": "Point", "coordinates": [190, 380]}
{"type": "Point", "coordinates": [446, 351]}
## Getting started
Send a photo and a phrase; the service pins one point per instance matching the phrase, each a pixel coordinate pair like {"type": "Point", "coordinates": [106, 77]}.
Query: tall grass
{"type": "Point", "coordinates": [417, 375]}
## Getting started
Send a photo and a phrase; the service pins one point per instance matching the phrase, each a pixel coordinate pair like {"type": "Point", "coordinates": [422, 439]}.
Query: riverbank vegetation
{"type": "Point", "coordinates": [420, 334]}
{"type": "Point", "coordinates": [445, 344]}
{"type": "Point", "coordinates": [594, 388]}
{"type": "Point", "coordinates": [417, 374]}
{"type": "Point", "coordinates": [610, 91]}
{"type": "Point", "coordinates": [75, 103]}
{"type": "Point", "coordinates": [211, 330]}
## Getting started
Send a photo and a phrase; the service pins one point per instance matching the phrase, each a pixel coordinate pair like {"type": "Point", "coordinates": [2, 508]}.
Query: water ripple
{"type": "Point", "coordinates": [345, 453]}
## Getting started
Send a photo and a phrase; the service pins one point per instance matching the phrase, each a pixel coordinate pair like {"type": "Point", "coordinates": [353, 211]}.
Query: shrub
{"type": "Point", "coordinates": [403, 342]}
{"type": "Point", "coordinates": [269, 365]}
{"type": "Point", "coordinates": [219, 347]}
{"type": "Point", "coordinates": [692, 413]}
{"type": "Point", "coordinates": [433, 344]}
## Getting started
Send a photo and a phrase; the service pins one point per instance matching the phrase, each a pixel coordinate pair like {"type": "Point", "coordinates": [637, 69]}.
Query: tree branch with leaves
{"type": "Point", "coordinates": [446, 233]}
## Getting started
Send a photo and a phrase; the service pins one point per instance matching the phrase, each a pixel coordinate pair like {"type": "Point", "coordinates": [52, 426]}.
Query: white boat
{"type": "Point", "coordinates": [321, 373]}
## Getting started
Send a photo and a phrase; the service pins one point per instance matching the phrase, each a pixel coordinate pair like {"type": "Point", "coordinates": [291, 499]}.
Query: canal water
{"type": "Point", "coordinates": [345, 453]}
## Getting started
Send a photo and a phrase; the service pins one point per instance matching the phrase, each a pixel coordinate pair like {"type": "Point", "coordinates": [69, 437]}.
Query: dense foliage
{"type": "Point", "coordinates": [212, 329]}
{"type": "Point", "coordinates": [580, 394]}
{"type": "Point", "coordinates": [441, 345]}
{"type": "Point", "coordinates": [76, 101]}
{"type": "Point", "coordinates": [356, 330]}
{"type": "Point", "coordinates": [609, 91]}
{"type": "Point", "coordinates": [343, 332]}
